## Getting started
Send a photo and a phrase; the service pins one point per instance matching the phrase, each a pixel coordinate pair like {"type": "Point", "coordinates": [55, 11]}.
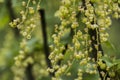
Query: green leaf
{"type": "Point", "coordinates": [117, 62]}
{"type": "Point", "coordinates": [4, 17]}
{"type": "Point", "coordinates": [110, 45]}
{"type": "Point", "coordinates": [108, 61]}
{"type": "Point", "coordinates": [34, 45]}
{"type": "Point", "coordinates": [91, 76]}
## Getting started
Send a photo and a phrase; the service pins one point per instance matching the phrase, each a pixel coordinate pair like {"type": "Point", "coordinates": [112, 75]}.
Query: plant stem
{"type": "Point", "coordinates": [12, 15]}
{"type": "Point", "coordinates": [29, 72]}
{"type": "Point", "coordinates": [95, 40]}
{"type": "Point", "coordinates": [44, 33]}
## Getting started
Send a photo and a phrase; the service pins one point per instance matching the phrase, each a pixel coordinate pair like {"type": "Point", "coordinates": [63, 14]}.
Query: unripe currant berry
{"type": "Point", "coordinates": [34, 2]}
{"type": "Point", "coordinates": [23, 3]}
{"type": "Point", "coordinates": [103, 66]}
{"type": "Point", "coordinates": [31, 10]}
{"type": "Point", "coordinates": [111, 74]}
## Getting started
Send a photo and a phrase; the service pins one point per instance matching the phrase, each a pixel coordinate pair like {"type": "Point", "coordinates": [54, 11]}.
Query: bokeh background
{"type": "Point", "coordinates": [9, 42]}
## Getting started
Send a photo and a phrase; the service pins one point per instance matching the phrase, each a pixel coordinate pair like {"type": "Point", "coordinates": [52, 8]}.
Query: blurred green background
{"type": "Point", "coordinates": [9, 43]}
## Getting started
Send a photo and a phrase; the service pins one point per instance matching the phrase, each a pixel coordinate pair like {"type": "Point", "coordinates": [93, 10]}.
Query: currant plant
{"type": "Point", "coordinates": [76, 52]}
{"type": "Point", "coordinates": [25, 25]}
{"type": "Point", "coordinates": [86, 22]}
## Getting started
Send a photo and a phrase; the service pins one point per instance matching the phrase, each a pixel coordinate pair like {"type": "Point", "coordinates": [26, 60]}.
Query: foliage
{"type": "Point", "coordinates": [75, 46]}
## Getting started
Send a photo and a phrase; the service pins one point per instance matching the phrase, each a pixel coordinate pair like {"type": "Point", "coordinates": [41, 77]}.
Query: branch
{"type": "Point", "coordinates": [94, 34]}
{"type": "Point", "coordinates": [95, 40]}
{"type": "Point", "coordinates": [12, 15]}
{"type": "Point", "coordinates": [29, 72]}
{"type": "Point", "coordinates": [44, 33]}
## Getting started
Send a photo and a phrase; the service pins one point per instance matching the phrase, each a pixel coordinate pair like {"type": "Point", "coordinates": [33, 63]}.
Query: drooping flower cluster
{"type": "Point", "coordinates": [77, 40]}
{"type": "Point", "coordinates": [85, 22]}
{"type": "Point", "coordinates": [25, 25]}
